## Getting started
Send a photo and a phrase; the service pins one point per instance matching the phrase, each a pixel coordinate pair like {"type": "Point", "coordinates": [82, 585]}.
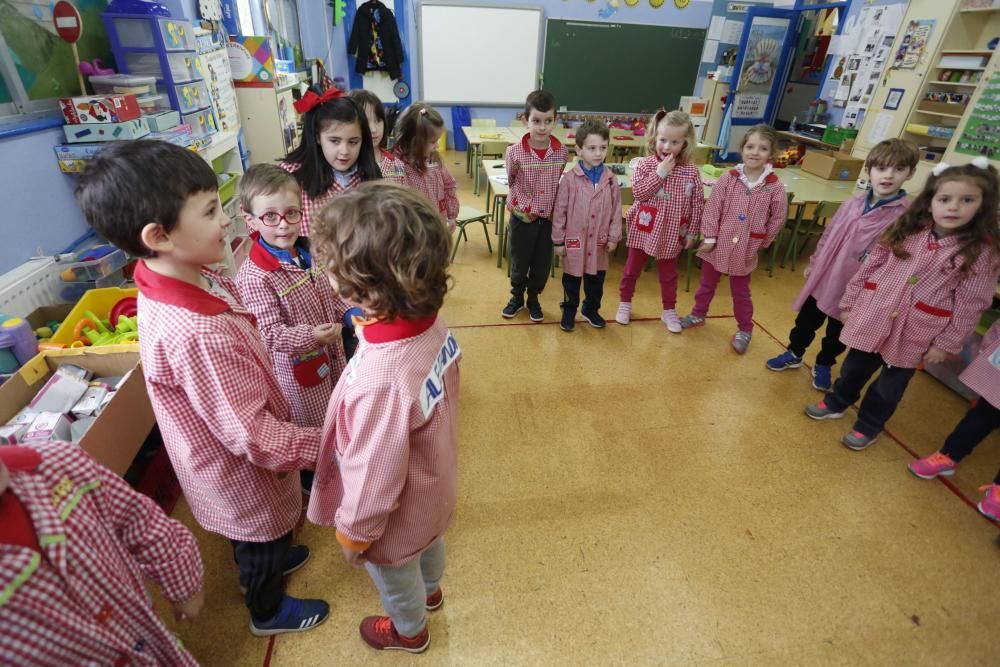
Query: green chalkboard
{"type": "Point", "coordinates": [620, 67]}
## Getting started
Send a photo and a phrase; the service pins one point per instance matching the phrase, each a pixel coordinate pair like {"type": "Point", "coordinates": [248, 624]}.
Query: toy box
{"type": "Point", "coordinates": [100, 109]}
{"type": "Point", "coordinates": [835, 166]}
{"type": "Point", "coordinates": [180, 135]}
{"type": "Point", "coordinates": [77, 151]}
{"type": "Point", "coordinates": [130, 129]}
{"type": "Point", "coordinates": [163, 121]}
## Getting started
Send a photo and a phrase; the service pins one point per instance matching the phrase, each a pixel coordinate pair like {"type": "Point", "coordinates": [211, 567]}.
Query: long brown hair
{"type": "Point", "coordinates": [414, 134]}
{"type": "Point", "coordinates": [673, 119]}
{"type": "Point", "coordinates": [980, 233]}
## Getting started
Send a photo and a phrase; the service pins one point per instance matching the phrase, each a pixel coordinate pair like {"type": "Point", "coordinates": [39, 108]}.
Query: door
{"type": "Point", "coordinates": [762, 63]}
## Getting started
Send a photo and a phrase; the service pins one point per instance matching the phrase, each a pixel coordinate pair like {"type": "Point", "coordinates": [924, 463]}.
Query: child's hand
{"type": "Point", "coordinates": [666, 165]}
{"type": "Point", "coordinates": [707, 246]}
{"type": "Point", "coordinates": [559, 250]}
{"type": "Point", "coordinates": [611, 246]}
{"type": "Point", "coordinates": [188, 610]}
{"type": "Point", "coordinates": [353, 558]}
{"type": "Point", "coordinates": [844, 315]}
{"type": "Point", "coordinates": [451, 226]}
{"type": "Point", "coordinates": [689, 243]}
{"type": "Point", "coordinates": [806, 271]}
{"type": "Point", "coordinates": [935, 355]}
{"type": "Point", "coordinates": [327, 334]}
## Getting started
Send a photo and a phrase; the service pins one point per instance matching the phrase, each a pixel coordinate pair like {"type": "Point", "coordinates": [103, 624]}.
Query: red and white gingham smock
{"type": "Point", "coordinates": [390, 166]}
{"type": "Point", "coordinates": [436, 183]}
{"type": "Point", "coordinates": [311, 206]}
{"type": "Point", "coordinates": [289, 303]}
{"type": "Point", "coordinates": [82, 599]}
{"type": "Point", "coordinates": [742, 220]}
{"type": "Point", "coordinates": [387, 473]}
{"type": "Point", "coordinates": [665, 211]}
{"type": "Point", "coordinates": [224, 421]}
{"type": "Point", "coordinates": [533, 181]}
{"type": "Point", "coordinates": [983, 374]}
{"type": "Point", "coordinates": [900, 307]}
{"type": "Point", "coordinates": [586, 219]}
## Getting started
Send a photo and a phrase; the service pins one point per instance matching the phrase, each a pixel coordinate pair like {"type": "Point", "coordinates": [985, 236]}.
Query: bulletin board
{"type": "Point", "coordinates": [478, 55]}
{"type": "Point", "coordinates": [981, 135]}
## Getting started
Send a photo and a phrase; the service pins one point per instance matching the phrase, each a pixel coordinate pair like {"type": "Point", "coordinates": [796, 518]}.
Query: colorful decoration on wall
{"type": "Point", "coordinates": [608, 10]}
{"type": "Point", "coordinates": [655, 4]}
{"type": "Point", "coordinates": [681, 4]}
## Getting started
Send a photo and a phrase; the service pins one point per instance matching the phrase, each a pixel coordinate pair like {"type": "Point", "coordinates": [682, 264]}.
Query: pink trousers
{"type": "Point", "coordinates": [665, 268]}
{"type": "Point", "coordinates": [739, 286]}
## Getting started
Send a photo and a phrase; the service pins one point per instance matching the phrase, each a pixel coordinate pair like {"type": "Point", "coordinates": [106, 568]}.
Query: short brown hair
{"type": "Point", "coordinates": [264, 179]}
{"type": "Point", "coordinates": [673, 119]}
{"type": "Point", "coordinates": [893, 153]}
{"type": "Point", "coordinates": [385, 246]}
{"type": "Point", "coordinates": [539, 100]}
{"type": "Point", "coordinates": [589, 127]}
{"type": "Point", "coordinates": [414, 131]}
{"type": "Point", "coordinates": [765, 131]}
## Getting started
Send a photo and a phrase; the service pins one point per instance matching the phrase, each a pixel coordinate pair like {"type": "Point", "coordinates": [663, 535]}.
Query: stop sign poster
{"type": "Point", "coordinates": [67, 20]}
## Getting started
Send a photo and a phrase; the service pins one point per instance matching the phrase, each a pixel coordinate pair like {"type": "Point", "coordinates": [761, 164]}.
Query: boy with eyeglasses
{"type": "Point", "coordinates": [225, 422]}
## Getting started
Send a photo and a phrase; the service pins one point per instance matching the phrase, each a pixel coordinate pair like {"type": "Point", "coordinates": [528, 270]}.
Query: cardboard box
{"type": "Point", "coordinates": [100, 109]}
{"type": "Point", "coordinates": [41, 317]}
{"type": "Point", "coordinates": [834, 166]}
{"type": "Point", "coordinates": [130, 129]}
{"type": "Point", "coordinates": [950, 108]}
{"type": "Point", "coordinates": [117, 434]}
{"type": "Point", "coordinates": [163, 121]}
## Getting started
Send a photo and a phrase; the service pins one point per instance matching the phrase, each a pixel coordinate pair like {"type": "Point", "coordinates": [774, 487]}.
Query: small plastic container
{"type": "Point", "coordinates": [202, 122]}
{"type": "Point", "coordinates": [177, 35]}
{"type": "Point", "coordinates": [92, 270]}
{"type": "Point", "coordinates": [123, 84]}
{"type": "Point", "coordinates": [192, 96]}
{"type": "Point", "coordinates": [137, 33]}
{"type": "Point", "coordinates": [183, 66]}
{"type": "Point", "coordinates": [152, 104]}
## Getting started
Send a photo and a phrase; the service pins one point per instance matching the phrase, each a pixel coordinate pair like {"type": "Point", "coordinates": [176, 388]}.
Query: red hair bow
{"type": "Point", "coordinates": [311, 100]}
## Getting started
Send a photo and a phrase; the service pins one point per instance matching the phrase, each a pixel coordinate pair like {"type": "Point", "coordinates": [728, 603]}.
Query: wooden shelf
{"type": "Point", "coordinates": [985, 52]}
{"type": "Point", "coordinates": [979, 10]}
{"type": "Point", "coordinates": [936, 113]}
{"type": "Point", "coordinates": [961, 69]}
{"type": "Point", "coordinates": [954, 83]}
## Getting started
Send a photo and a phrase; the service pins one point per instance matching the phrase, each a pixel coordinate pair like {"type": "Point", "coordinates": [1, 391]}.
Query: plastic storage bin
{"type": "Point", "coordinates": [123, 84]}
{"type": "Point", "coordinates": [92, 270]}
{"type": "Point", "coordinates": [181, 66]}
{"type": "Point", "coordinates": [73, 292]}
{"type": "Point", "coordinates": [137, 33]}
{"type": "Point", "coordinates": [192, 96]}
{"type": "Point", "coordinates": [99, 302]}
{"type": "Point", "coordinates": [202, 122]}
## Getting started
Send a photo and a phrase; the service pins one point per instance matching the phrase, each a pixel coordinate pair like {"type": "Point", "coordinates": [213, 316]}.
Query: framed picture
{"type": "Point", "coordinates": [893, 99]}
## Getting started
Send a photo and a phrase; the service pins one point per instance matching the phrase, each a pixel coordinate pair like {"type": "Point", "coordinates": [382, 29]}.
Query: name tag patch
{"type": "Point", "coordinates": [433, 390]}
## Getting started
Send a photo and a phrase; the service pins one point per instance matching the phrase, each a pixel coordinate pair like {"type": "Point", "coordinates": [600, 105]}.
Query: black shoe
{"type": "Point", "coordinates": [515, 305]}
{"type": "Point", "coordinates": [568, 319]}
{"type": "Point", "coordinates": [535, 310]}
{"type": "Point", "coordinates": [593, 318]}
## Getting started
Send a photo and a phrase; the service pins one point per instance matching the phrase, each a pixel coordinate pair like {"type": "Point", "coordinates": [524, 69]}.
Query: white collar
{"type": "Point", "coordinates": [768, 169]}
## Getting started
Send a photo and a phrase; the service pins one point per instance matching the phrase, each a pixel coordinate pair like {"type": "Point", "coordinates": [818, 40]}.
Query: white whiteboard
{"type": "Point", "coordinates": [478, 55]}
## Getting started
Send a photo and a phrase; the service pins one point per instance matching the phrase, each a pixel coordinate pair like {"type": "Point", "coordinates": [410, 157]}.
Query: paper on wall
{"type": "Point", "coordinates": [710, 53]}
{"type": "Point", "coordinates": [879, 127]}
{"type": "Point", "coordinates": [731, 32]}
{"type": "Point", "coordinates": [715, 27]}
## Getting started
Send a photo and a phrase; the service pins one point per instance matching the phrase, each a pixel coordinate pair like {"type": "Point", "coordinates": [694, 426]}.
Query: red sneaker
{"type": "Point", "coordinates": [379, 632]}
{"type": "Point", "coordinates": [435, 600]}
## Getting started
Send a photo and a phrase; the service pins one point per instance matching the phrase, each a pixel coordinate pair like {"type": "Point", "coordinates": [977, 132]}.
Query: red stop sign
{"type": "Point", "coordinates": [67, 20]}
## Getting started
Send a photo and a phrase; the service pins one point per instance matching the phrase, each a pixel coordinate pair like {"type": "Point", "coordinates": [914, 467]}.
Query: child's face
{"type": "Point", "coordinates": [594, 150]}
{"type": "Point", "coordinates": [376, 126]}
{"type": "Point", "coordinates": [670, 139]}
{"type": "Point", "coordinates": [540, 124]}
{"type": "Point", "coordinates": [432, 146]}
{"type": "Point", "coordinates": [200, 235]}
{"type": "Point", "coordinates": [954, 205]}
{"type": "Point", "coordinates": [270, 216]}
{"type": "Point", "coordinates": [888, 179]}
{"type": "Point", "coordinates": [341, 144]}
{"type": "Point", "coordinates": [756, 152]}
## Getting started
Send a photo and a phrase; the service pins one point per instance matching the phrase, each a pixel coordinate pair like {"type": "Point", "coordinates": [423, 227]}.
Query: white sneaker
{"type": "Point", "coordinates": [672, 321]}
{"type": "Point", "coordinates": [624, 313]}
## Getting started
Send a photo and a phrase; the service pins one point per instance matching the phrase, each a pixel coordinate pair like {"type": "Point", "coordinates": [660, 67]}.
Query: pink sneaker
{"type": "Point", "coordinates": [933, 465]}
{"type": "Point", "coordinates": [989, 506]}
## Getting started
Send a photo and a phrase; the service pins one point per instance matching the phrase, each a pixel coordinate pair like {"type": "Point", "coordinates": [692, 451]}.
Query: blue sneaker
{"type": "Point", "coordinates": [784, 361]}
{"type": "Point", "coordinates": [294, 615]}
{"type": "Point", "coordinates": [821, 378]}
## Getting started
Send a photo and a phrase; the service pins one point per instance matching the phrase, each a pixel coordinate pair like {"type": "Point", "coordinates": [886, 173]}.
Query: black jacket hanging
{"type": "Point", "coordinates": [375, 40]}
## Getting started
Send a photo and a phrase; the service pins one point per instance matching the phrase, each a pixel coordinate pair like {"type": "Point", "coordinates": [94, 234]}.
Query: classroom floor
{"type": "Point", "coordinates": [632, 496]}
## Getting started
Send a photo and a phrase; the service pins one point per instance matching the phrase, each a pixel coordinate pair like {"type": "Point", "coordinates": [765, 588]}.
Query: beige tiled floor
{"type": "Point", "coordinates": [634, 497]}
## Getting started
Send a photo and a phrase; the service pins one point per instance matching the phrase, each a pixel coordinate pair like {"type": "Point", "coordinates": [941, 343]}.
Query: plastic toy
{"type": "Point", "coordinates": [127, 307]}
{"type": "Point", "coordinates": [25, 344]}
{"type": "Point", "coordinates": [95, 68]}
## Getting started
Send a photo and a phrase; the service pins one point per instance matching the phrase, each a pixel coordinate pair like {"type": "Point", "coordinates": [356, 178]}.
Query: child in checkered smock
{"type": "Point", "coordinates": [746, 211]}
{"type": "Point", "coordinates": [335, 153]}
{"type": "Point", "coordinates": [417, 162]}
{"type": "Point", "coordinates": [918, 295]}
{"type": "Point", "coordinates": [983, 377]}
{"type": "Point", "coordinates": [298, 314]}
{"type": "Point", "coordinates": [387, 471]}
{"type": "Point", "coordinates": [381, 124]}
{"type": "Point", "coordinates": [666, 214]}
{"type": "Point", "coordinates": [77, 546]}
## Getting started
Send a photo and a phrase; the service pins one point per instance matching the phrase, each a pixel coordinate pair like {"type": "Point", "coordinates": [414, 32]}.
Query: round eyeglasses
{"type": "Point", "coordinates": [292, 216]}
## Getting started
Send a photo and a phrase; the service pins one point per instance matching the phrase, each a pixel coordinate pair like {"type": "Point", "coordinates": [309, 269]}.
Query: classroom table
{"type": "Point", "coordinates": [474, 135]}
{"type": "Point", "coordinates": [799, 138]}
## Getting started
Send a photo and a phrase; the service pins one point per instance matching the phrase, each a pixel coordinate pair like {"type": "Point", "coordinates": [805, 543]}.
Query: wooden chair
{"type": "Point", "coordinates": [466, 216]}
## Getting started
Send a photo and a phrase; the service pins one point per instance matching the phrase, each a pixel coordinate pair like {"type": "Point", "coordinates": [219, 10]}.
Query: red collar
{"type": "Point", "coordinates": [553, 143]}
{"type": "Point", "coordinates": [260, 256]}
{"type": "Point", "coordinates": [393, 330]}
{"type": "Point", "coordinates": [20, 459]}
{"type": "Point", "coordinates": [175, 292]}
